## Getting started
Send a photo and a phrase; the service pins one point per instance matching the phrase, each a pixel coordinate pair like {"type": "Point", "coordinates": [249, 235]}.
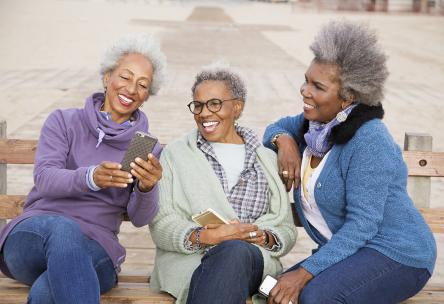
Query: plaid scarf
{"type": "Point", "coordinates": [249, 197]}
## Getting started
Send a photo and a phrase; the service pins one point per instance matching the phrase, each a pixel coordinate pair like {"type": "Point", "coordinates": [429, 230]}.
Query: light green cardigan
{"type": "Point", "coordinates": [188, 186]}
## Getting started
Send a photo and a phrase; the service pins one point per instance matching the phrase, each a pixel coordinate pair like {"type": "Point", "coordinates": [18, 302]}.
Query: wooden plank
{"type": "Point", "coordinates": [17, 151]}
{"type": "Point", "coordinates": [135, 294]}
{"type": "Point", "coordinates": [134, 277]}
{"type": "Point", "coordinates": [13, 292]}
{"type": "Point", "coordinates": [11, 206]}
{"type": "Point", "coordinates": [434, 218]}
{"type": "Point", "coordinates": [421, 163]}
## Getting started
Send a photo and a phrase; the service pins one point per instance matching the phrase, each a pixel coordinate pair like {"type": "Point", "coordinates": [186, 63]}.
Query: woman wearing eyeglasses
{"type": "Point", "coordinates": [224, 167]}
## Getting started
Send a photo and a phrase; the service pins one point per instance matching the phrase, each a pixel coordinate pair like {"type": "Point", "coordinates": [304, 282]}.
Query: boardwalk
{"type": "Point", "coordinates": [50, 50]}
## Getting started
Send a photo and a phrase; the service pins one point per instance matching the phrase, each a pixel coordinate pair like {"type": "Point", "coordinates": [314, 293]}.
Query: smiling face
{"type": "Point", "coordinates": [219, 126]}
{"type": "Point", "coordinates": [127, 86]}
{"type": "Point", "coordinates": [320, 92]}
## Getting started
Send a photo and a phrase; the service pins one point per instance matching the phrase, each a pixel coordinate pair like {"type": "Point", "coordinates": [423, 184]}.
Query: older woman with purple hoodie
{"type": "Point", "coordinates": [65, 245]}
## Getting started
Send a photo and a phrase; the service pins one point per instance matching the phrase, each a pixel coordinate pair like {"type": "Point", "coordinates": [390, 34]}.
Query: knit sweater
{"type": "Point", "coordinates": [67, 147]}
{"type": "Point", "coordinates": [188, 186]}
{"type": "Point", "coordinates": [361, 193]}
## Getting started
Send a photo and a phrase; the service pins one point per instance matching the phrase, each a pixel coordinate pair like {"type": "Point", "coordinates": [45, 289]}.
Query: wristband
{"type": "Point", "coordinates": [198, 244]}
{"type": "Point", "coordinates": [275, 138]}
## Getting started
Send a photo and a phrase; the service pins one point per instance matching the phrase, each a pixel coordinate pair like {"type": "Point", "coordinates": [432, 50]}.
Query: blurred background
{"type": "Point", "coordinates": [50, 52]}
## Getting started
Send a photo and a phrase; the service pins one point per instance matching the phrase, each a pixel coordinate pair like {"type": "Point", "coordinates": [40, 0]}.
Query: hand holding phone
{"type": "Point", "coordinates": [267, 285]}
{"type": "Point", "coordinates": [139, 161]}
{"type": "Point", "coordinates": [140, 146]}
{"type": "Point", "coordinates": [108, 174]}
{"type": "Point", "coordinates": [208, 216]}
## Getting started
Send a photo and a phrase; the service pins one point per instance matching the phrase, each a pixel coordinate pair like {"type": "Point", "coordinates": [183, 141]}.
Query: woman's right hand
{"type": "Point", "coordinates": [214, 234]}
{"type": "Point", "coordinates": [108, 174]}
{"type": "Point", "coordinates": [289, 161]}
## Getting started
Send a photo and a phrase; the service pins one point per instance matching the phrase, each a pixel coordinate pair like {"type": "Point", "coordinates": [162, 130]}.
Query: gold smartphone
{"type": "Point", "coordinates": [208, 216]}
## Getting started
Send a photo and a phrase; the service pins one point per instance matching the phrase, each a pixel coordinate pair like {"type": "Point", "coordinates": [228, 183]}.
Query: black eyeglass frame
{"type": "Point", "coordinates": [206, 104]}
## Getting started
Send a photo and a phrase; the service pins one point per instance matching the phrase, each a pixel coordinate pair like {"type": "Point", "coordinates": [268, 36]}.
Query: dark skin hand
{"type": "Point", "coordinates": [289, 159]}
{"type": "Point", "coordinates": [108, 174]}
{"type": "Point", "coordinates": [289, 286]}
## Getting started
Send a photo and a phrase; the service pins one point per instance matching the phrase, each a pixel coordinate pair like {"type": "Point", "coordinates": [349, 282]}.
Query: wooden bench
{"type": "Point", "coordinates": [134, 287]}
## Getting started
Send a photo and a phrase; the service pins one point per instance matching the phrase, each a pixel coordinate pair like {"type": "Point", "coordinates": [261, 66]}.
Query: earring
{"type": "Point", "coordinates": [341, 116]}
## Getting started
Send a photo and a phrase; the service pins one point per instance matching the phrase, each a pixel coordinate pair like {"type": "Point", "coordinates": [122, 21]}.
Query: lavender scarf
{"type": "Point", "coordinates": [319, 133]}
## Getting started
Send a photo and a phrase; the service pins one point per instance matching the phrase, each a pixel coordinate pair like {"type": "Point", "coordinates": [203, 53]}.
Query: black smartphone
{"type": "Point", "coordinates": [267, 285]}
{"type": "Point", "coordinates": [140, 146]}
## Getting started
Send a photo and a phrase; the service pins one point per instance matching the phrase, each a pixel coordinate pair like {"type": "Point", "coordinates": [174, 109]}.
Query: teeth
{"type": "Point", "coordinates": [209, 123]}
{"type": "Point", "coordinates": [306, 105]}
{"type": "Point", "coordinates": [126, 99]}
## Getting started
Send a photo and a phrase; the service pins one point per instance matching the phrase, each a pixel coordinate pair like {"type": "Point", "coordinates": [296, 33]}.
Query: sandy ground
{"type": "Point", "coordinates": [50, 52]}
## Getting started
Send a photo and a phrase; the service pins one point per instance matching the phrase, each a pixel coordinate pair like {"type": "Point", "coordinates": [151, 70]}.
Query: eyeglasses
{"type": "Point", "coordinates": [213, 105]}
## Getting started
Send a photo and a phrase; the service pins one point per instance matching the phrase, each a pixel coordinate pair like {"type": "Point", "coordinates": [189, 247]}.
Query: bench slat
{"type": "Point", "coordinates": [422, 163]}
{"type": "Point", "coordinates": [17, 151]}
{"type": "Point", "coordinates": [22, 151]}
{"type": "Point", "coordinates": [13, 292]}
{"type": "Point", "coordinates": [12, 205]}
{"type": "Point", "coordinates": [434, 218]}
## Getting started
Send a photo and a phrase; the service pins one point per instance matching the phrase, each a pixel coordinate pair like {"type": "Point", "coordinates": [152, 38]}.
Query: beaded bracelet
{"type": "Point", "coordinates": [198, 244]}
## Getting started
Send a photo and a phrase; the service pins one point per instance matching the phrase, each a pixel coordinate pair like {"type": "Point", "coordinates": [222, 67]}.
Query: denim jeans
{"type": "Point", "coordinates": [51, 254]}
{"type": "Point", "coordinates": [367, 277]}
{"type": "Point", "coordinates": [228, 274]}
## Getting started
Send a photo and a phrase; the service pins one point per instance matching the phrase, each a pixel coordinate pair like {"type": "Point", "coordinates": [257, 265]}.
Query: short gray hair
{"type": "Point", "coordinates": [142, 43]}
{"type": "Point", "coordinates": [362, 64]}
{"type": "Point", "coordinates": [222, 72]}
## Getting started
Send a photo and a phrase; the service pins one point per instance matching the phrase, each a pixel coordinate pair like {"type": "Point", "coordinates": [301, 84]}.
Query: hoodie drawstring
{"type": "Point", "coordinates": [101, 135]}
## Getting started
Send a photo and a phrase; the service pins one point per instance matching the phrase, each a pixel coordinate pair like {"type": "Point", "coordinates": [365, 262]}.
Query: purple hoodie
{"type": "Point", "coordinates": [67, 147]}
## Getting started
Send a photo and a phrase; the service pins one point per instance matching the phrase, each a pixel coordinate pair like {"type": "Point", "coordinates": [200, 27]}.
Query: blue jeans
{"type": "Point", "coordinates": [62, 265]}
{"type": "Point", "coordinates": [367, 277]}
{"type": "Point", "coordinates": [228, 273]}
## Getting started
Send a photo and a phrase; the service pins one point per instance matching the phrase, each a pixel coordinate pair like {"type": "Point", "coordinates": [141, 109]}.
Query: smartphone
{"type": "Point", "coordinates": [140, 146]}
{"type": "Point", "coordinates": [267, 285]}
{"type": "Point", "coordinates": [208, 216]}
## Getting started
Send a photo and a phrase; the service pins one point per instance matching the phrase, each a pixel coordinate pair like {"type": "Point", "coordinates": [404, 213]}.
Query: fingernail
{"type": "Point", "coordinates": [132, 164]}
{"type": "Point", "coordinates": [119, 166]}
{"type": "Point", "coordinates": [138, 159]}
{"type": "Point", "coordinates": [130, 180]}
{"type": "Point", "coordinates": [129, 175]}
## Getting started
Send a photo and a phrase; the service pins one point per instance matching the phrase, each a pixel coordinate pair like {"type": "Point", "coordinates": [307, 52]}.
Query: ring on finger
{"type": "Point", "coordinates": [252, 234]}
{"type": "Point", "coordinates": [285, 173]}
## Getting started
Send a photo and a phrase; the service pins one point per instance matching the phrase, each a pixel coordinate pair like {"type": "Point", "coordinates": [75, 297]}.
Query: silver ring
{"type": "Point", "coordinates": [252, 234]}
{"type": "Point", "coordinates": [285, 173]}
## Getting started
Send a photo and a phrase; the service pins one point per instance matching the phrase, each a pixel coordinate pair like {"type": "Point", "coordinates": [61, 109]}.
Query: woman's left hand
{"type": "Point", "coordinates": [147, 172]}
{"type": "Point", "coordinates": [289, 286]}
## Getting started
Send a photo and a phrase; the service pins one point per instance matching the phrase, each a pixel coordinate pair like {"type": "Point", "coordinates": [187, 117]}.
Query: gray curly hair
{"type": "Point", "coordinates": [362, 64]}
{"type": "Point", "coordinates": [141, 43]}
{"type": "Point", "coordinates": [222, 72]}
